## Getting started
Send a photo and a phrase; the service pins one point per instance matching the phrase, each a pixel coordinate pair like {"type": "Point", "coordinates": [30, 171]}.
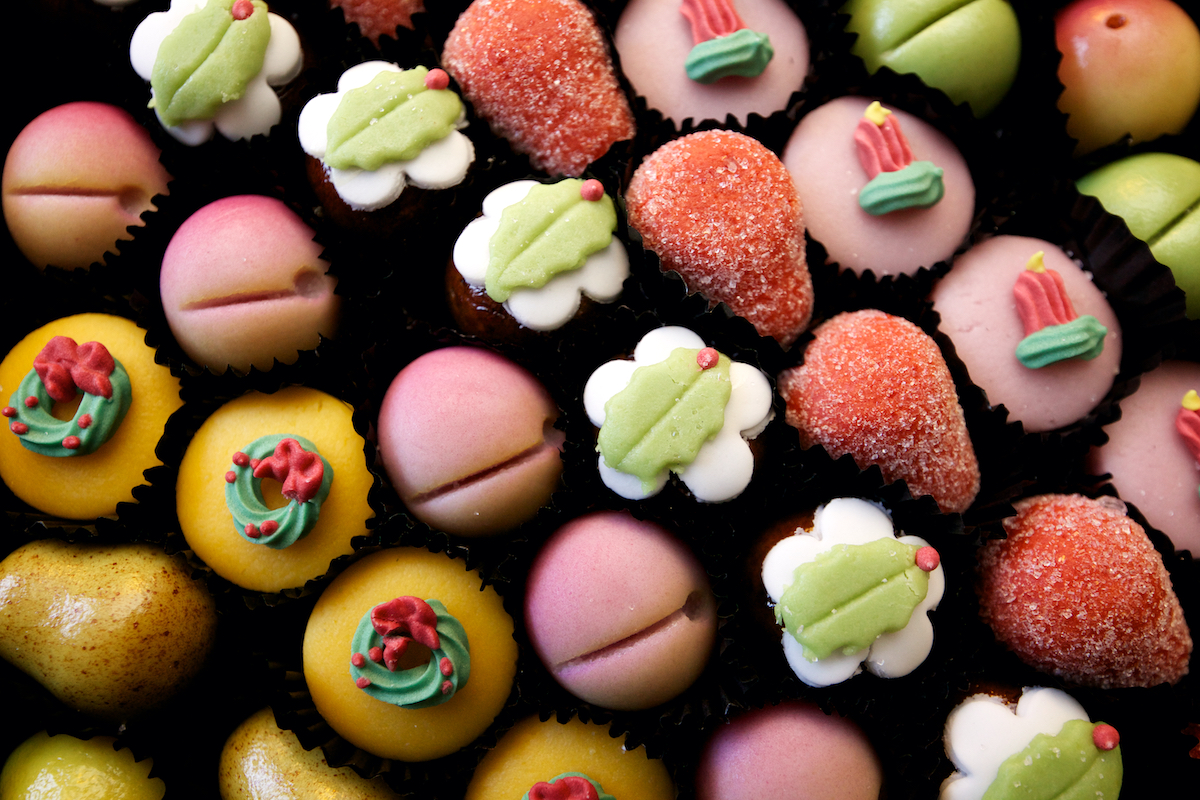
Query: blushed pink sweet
{"type": "Point", "coordinates": [243, 284]}
{"type": "Point", "coordinates": [823, 160]}
{"type": "Point", "coordinates": [620, 611]}
{"type": "Point", "coordinates": [790, 750]}
{"type": "Point", "coordinates": [75, 179]}
{"type": "Point", "coordinates": [979, 314]}
{"type": "Point", "coordinates": [1150, 465]}
{"type": "Point", "coordinates": [653, 39]}
{"type": "Point", "coordinates": [468, 441]}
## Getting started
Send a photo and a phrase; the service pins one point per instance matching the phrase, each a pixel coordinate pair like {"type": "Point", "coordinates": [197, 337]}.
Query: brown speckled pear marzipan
{"type": "Point", "coordinates": [110, 630]}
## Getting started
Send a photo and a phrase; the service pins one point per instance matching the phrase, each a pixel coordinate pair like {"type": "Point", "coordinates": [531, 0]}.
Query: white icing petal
{"type": "Point", "coordinates": [258, 110]}
{"type": "Point", "coordinates": [601, 276]}
{"type": "Point", "coordinates": [440, 165]}
{"type": "Point", "coordinates": [724, 464]}
{"type": "Point", "coordinates": [850, 521]}
{"type": "Point", "coordinates": [982, 732]}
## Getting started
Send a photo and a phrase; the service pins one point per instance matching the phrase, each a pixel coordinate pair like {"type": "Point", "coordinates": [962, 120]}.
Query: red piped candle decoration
{"type": "Point", "coordinates": [711, 18]}
{"type": "Point", "coordinates": [1042, 297]}
{"type": "Point", "coordinates": [1187, 422]}
{"type": "Point", "coordinates": [881, 145]}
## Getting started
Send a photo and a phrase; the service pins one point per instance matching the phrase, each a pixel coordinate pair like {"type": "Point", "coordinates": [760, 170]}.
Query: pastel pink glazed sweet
{"type": "Point", "coordinates": [979, 314]}
{"type": "Point", "coordinates": [243, 284]}
{"type": "Point", "coordinates": [653, 39]}
{"type": "Point", "coordinates": [620, 611]}
{"type": "Point", "coordinates": [790, 750]}
{"type": "Point", "coordinates": [1150, 462]}
{"type": "Point", "coordinates": [468, 440]}
{"type": "Point", "coordinates": [75, 180]}
{"type": "Point", "coordinates": [823, 159]}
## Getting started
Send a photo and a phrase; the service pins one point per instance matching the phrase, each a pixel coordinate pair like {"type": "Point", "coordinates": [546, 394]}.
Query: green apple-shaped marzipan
{"type": "Point", "coordinates": [1155, 194]}
{"type": "Point", "coordinates": [970, 49]}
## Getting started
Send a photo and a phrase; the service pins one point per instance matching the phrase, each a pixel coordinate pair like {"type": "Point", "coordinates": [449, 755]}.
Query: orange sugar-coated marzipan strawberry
{"type": "Point", "coordinates": [876, 386]}
{"type": "Point", "coordinates": [377, 18]}
{"type": "Point", "coordinates": [540, 73]}
{"type": "Point", "coordinates": [1077, 590]}
{"type": "Point", "coordinates": [720, 209]}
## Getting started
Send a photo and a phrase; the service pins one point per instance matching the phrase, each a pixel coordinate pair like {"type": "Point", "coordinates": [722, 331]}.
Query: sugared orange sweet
{"type": "Point", "coordinates": [377, 18]}
{"type": "Point", "coordinates": [720, 209]}
{"type": "Point", "coordinates": [876, 386]}
{"type": "Point", "coordinates": [540, 73]}
{"type": "Point", "coordinates": [1077, 590]}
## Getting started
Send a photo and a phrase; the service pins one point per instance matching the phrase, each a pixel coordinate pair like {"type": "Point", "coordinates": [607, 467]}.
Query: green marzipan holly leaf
{"type": "Point", "coordinates": [392, 118]}
{"type": "Point", "coordinates": [663, 417]}
{"type": "Point", "coordinates": [552, 230]}
{"type": "Point", "coordinates": [208, 60]}
{"type": "Point", "coordinates": [850, 595]}
{"type": "Point", "coordinates": [1068, 766]}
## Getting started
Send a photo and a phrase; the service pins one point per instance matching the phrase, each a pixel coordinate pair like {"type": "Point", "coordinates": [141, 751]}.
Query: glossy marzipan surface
{"type": "Point", "coordinates": [109, 630]}
{"type": "Point", "coordinates": [970, 49]}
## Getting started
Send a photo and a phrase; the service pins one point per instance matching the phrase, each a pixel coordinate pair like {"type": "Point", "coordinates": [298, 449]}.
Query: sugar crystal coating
{"type": "Point", "coordinates": [1077, 590]}
{"type": "Point", "coordinates": [377, 18]}
{"type": "Point", "coordinates": [720, 209]}
{"type": "Point", "coordinates": [876, 386]}
{"type": "Point", "coordinates": [539, 72]}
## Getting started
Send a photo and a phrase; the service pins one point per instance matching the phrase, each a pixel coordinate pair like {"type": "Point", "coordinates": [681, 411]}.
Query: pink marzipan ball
{"type": "Point", "coordinates": [620, 611]}
{"type": "Point", "coordinates": [468, 440]}
{"type": "Point", "coordinates": [243, 284]}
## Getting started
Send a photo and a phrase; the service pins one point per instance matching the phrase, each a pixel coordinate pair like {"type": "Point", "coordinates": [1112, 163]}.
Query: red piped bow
{"type": "Point", "coordinates": [300, 471]}
{"type": "Point", "coordinates": [67, 368]}
{"type": "Point", "coordinates": [570, 787]}
{"type": "Point", "coordinates": [401, 621]}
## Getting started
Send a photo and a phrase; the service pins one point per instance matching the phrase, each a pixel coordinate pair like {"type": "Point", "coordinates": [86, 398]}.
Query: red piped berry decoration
{"type": "Point", "coordinates": [242, 9]}
{"type": "Point", "coordinates": [85, 421]}
{"type": "Point", "coordinates": [240, 459]}
{"type": "Point", "coordinates": [19, 428]}
{"type": "Point", "coordinates": [252, 531]}
{"type": "Point", "coordinates": [71, 442]}
{"type": "Point", "coordinates": [31, 401]}
{"type": "Point", "coordinates": [8, 411]}
{"type": "Point", "coordinates": [375, 654]}
{"type": "Point", "coordinates": [1105, 737]}
{"type": "Point", "coordinates": [230, 476]}
{"type": "Point", "coordinates": [358, 660]}
{"type": "Point", "coordinates": [253, 463]}
{"type": "Point", "coordinates": [446, 666]}
{"type": "Point", "coordinates": [437, 79]}
{"type": "Point", "coordinates": [707, 358]}
{"type": "Point", "coordinates": [269, 527]}
{"type": "Point", "coordinates": [362, 683]}
{"type": "Point", "coordinates": [447, 687]}
{"type": "Point", "coordinates": [592, 190]}
{"type": "Point", "coordinates": [928, 559]}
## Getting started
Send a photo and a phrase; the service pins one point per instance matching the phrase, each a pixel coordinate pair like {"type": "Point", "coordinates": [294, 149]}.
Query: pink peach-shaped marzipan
{"type": "Point", "coordinates": [793, 749]}
{"type": "Point", "coordinates": [620, 611]}
{"type": "Point", "coordinates": [243, 284]}
{"type": "Point", "coordinates": [468, 441]}
{"type": "Point", "coordinates": [75, 179]}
